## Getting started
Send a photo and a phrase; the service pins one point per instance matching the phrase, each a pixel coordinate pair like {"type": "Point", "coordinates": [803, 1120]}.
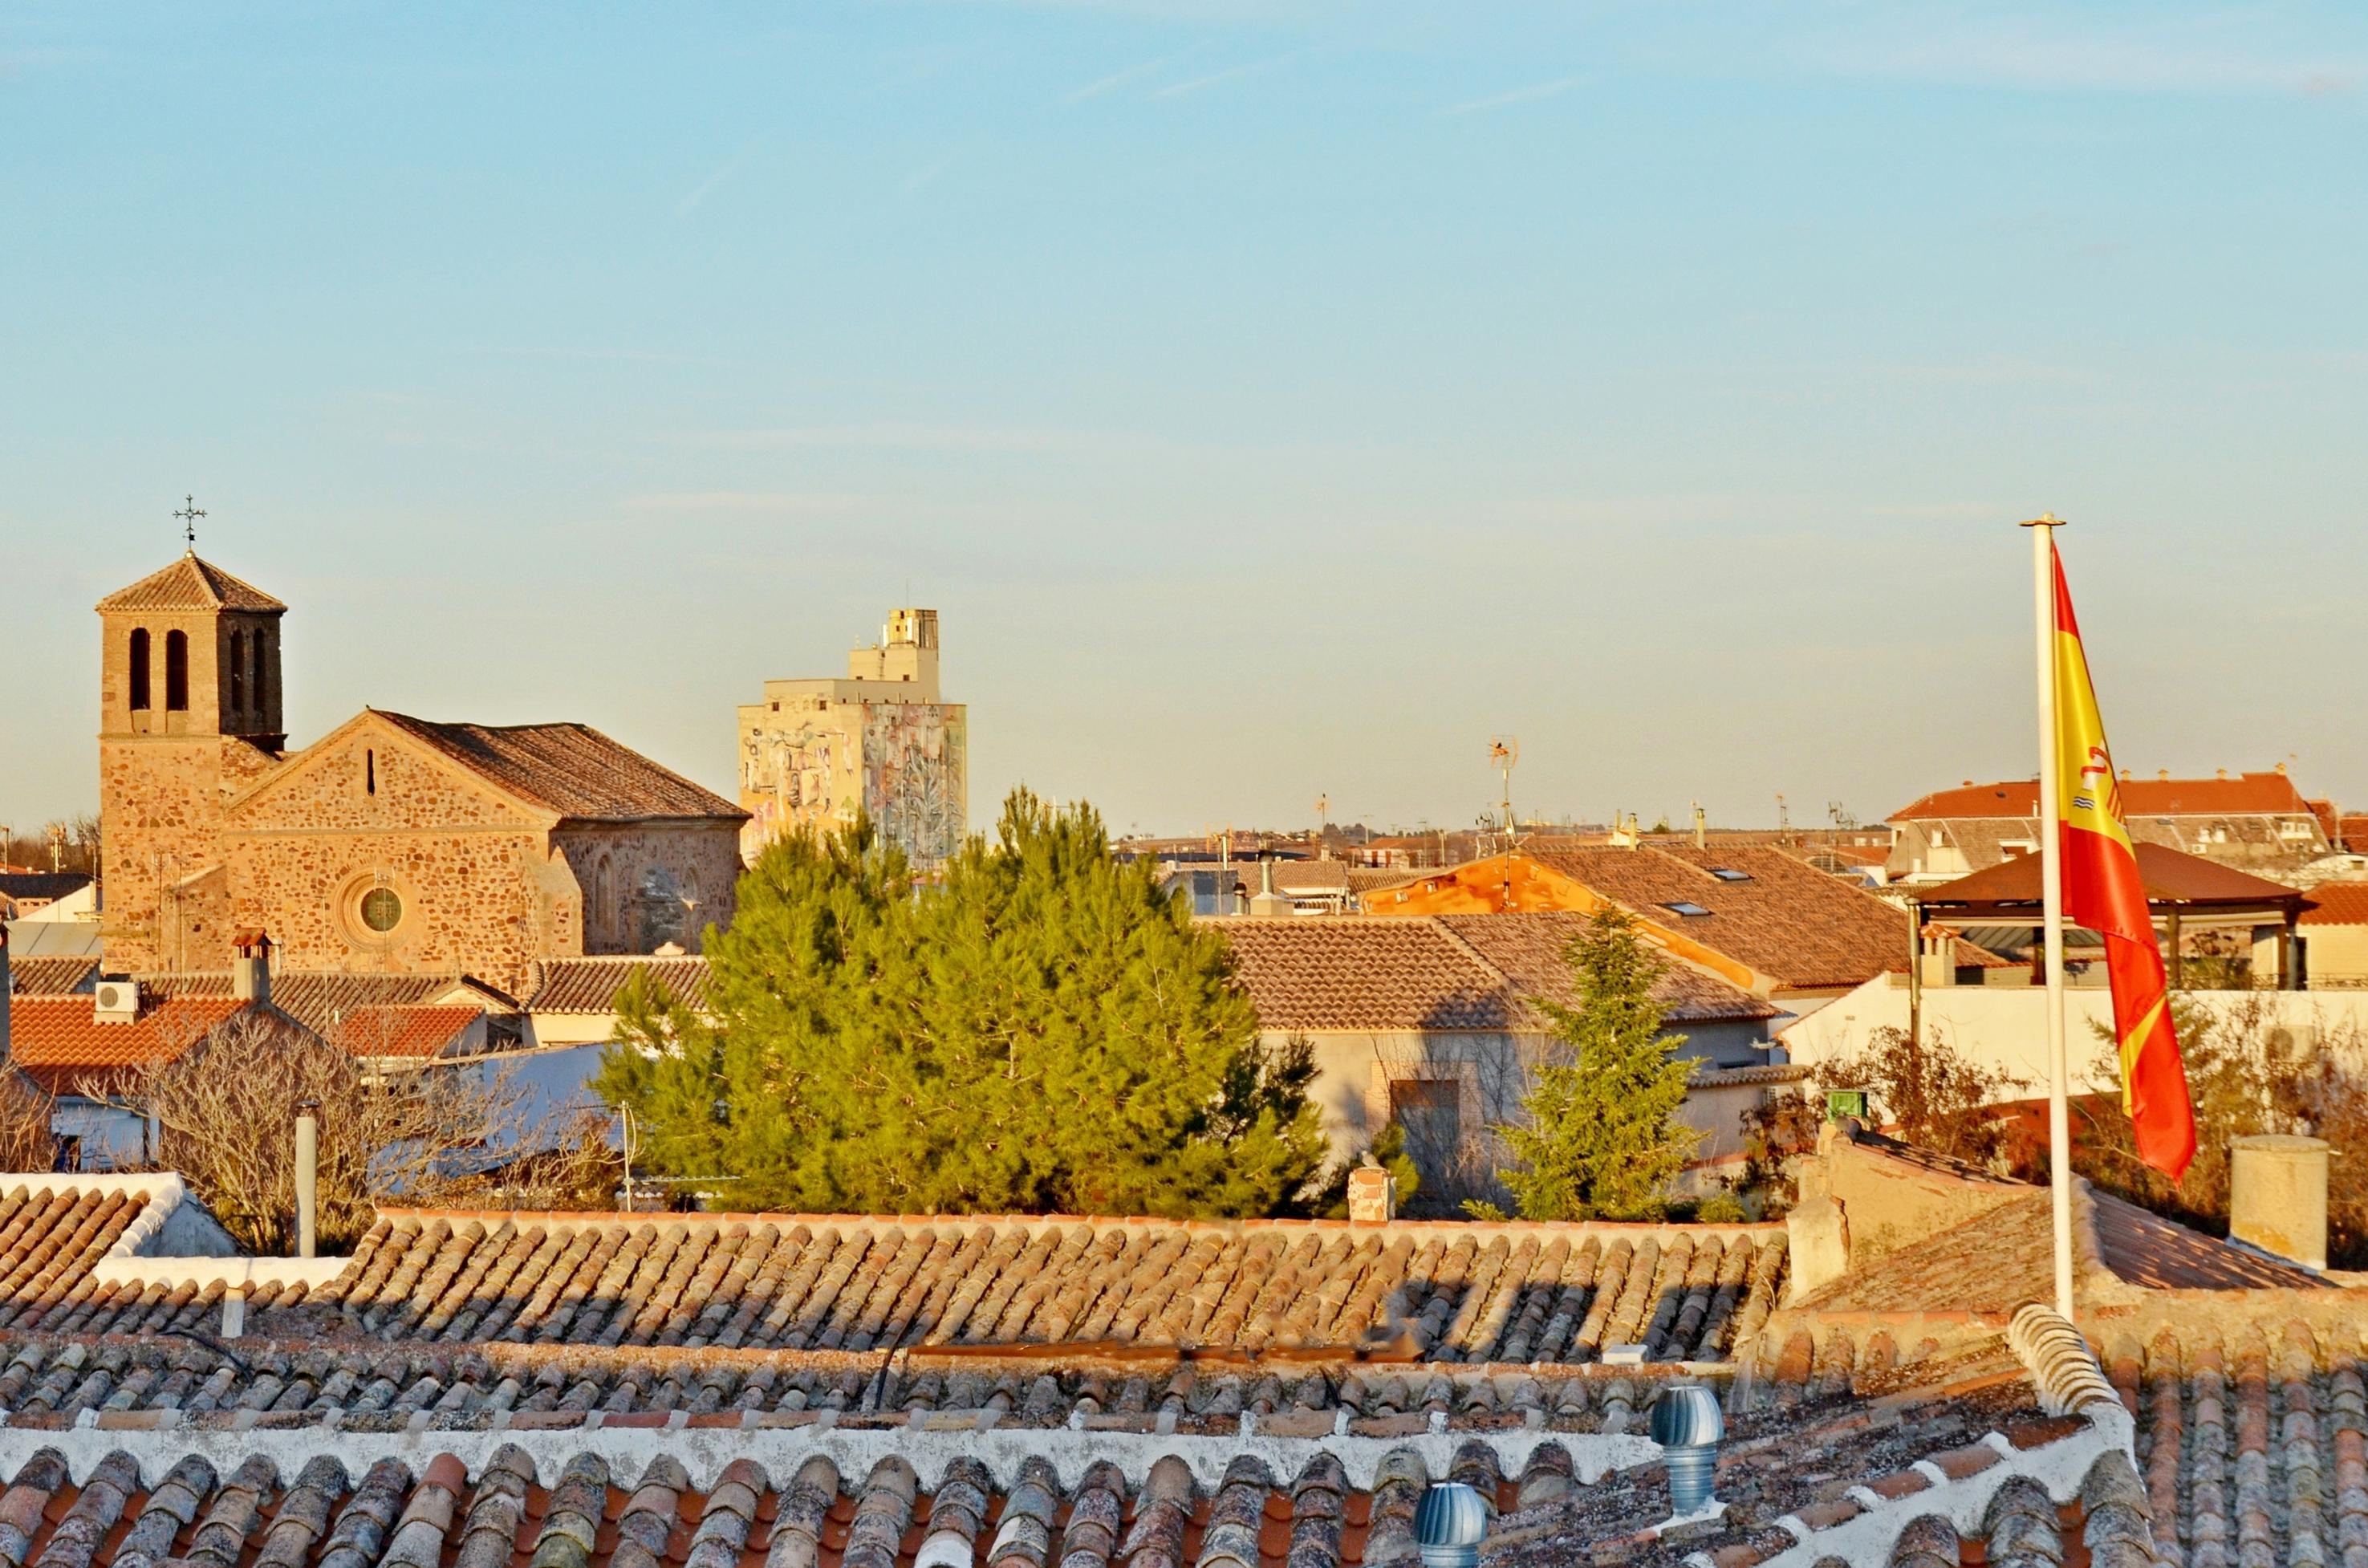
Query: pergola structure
{"type": "Point", "coordinates": [2180, 889]}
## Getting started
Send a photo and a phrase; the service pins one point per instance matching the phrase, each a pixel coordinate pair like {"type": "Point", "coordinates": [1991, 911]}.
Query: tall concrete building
{"type": "Point", "coordinates": [883, 742]}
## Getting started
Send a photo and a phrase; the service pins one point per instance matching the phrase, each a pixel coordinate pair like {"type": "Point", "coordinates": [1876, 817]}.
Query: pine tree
{"type": "Point", "coordinates": [1044, 1032]}
{"type": "Point", "coordinates": [1601, 1138]}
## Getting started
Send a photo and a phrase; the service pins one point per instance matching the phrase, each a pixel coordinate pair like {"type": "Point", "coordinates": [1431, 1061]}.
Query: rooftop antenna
{"type": "Point", "coordinates": [1504, 751]}
{"type": "Point", "coordinates": [1784, 820]}
{"type": "Point", "coordinates": [189, 514]}
{"type": "Point", "coordinates": [1324, 814]}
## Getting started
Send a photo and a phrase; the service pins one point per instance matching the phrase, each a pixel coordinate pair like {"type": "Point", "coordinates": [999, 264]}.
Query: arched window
{"type": "Point", "coordinates": [238, 673]}
{"type": "Point", "coordinates": [256, 693]}
{"type": "Point", "coordinates": [140, 670]}
{"type": "Point", "coordinates": [177, 672]}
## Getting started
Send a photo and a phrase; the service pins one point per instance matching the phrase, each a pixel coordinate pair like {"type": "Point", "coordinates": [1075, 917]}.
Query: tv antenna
{"type": "Point", "coordinates": [1504, 751]}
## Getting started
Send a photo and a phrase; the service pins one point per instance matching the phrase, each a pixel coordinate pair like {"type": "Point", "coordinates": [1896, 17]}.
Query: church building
{"type": "Point", "coordinates": [392, 843]}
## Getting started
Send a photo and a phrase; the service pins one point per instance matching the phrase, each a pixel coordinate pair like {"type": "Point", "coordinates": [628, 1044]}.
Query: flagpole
{"type": "Point", "coordinates": [2051, 884]}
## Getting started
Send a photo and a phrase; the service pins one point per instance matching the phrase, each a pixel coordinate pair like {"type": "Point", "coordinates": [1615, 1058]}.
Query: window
{"type": "Point", "coordinates": [238, 672]}
{"type": "Point", "coordinates": [1729, 874]}
{"type": "Point", "coordinates": [140, 670]}
{"type": "Point", "coordinates": [381, 910]}
{"type": "Point", "coordinates": [1686, 907]}
{"type": "Point", "coordinates": [254, 693]}
{"type": "Point", "coordinates": [369, 772]}
{"type": "Point", "coordinates": [1430, 1110]}
{"type": "Point", "coordinates": [177, 672]}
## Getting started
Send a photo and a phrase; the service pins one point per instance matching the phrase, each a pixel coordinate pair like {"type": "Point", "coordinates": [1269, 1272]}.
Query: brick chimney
{"type": "Point", "coordinates": [2277, 1196]}
{"type": "Point", "coordinates": [250, 968]}
{"type": "Point", "coordinates": [1372, 1196]}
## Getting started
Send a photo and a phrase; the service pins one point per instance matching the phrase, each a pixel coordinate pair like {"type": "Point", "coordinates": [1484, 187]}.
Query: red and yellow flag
{"type": "Point", "coordinates": [2103, 891]}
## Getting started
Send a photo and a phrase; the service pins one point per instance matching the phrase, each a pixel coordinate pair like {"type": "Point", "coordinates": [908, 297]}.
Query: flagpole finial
{"type": "Point", "coordinates": [2045, 521]}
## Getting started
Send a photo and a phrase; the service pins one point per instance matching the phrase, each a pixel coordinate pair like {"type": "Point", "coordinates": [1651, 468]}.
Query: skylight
{"type": "Point", "coordinates": [1729, 874]}
{"type": "Point", "coordinates": [1685, 907]}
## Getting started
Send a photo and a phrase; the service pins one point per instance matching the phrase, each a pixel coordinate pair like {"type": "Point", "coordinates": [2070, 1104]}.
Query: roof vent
{"type": "Point", "coordinates": [1449, 1525]}
{"type": "Point", "coordinates": [116, 1001]}
{"type": "Point", "coordinates": [1688, 1423]}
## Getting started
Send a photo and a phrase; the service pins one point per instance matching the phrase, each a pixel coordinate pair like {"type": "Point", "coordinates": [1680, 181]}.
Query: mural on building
{"type": "Point", "coordinates": [916, 778]}
{"type": "Point", "coordinates": [881, 743]}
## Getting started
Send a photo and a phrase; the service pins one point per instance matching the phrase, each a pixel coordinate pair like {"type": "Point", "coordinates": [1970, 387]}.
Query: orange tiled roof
{"type": "Point", "coordinates": [416, 1032]}
{"type": "Point", "coordinates": [571, 770]}
{"type": "Point", "coordinates": [1364, 973]}
{"type": "Point", "coordinates": [58, 1041]}
{"type": "Point", "coordinates": [590, 985]}
{"type": "Point", "coordinates": [1527, 950]}
{"type": "Point", "coordinates": [192, 583]}
{"type": "Point", "coordinates": [2337, 904]}
{"type": "Point", "coordinates": [51, 1232]}
{"type": "Point", "coordinates": [2247, 794]}
{"type": "Point", "coordinates": [1803, 927]}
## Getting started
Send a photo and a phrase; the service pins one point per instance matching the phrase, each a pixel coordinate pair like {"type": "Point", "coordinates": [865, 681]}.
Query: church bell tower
{"type": "Point", "coordinates": [189, 711]}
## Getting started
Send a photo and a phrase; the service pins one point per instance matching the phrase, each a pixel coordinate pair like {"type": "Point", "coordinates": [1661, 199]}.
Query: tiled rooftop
{"type": "Point", "coordinates": [571, 770]}
{"type": "Point", "coordinates": [60, 1043]}
{"type": "Point", "coordinates": [590, 985]}
{"type": "Point", "coordinates": [334, 1004]}
{"type": "Point", "coordinates": [2247, 793]}
{"type": "Point", "coordinates": [60, 974]}
{"type": "Point", "coordinates": [1472, 971]}
{"type": "Point", "coordinates": [2337, 904]}
{"type": "Point", "coordinates": [1436, 1292]}
{"type": "Point", "coordinates": [1801, 927]}
{"type": "Point", "coordinates": [190, 583]}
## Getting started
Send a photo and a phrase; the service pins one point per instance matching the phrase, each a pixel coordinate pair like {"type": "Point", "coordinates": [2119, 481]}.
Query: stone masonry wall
{"type": "Point", "coordinates": [644, 884]}
{"type": "Point", "coordinates": [160, 821]}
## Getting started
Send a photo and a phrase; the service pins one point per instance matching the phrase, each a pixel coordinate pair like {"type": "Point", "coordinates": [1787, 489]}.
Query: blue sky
{"type": "Point", "coordinates": [1274, 398]}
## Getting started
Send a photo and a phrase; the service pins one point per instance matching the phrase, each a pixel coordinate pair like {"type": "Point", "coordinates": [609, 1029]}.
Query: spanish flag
{"type": "Point", "coordinates": [2102, 892]}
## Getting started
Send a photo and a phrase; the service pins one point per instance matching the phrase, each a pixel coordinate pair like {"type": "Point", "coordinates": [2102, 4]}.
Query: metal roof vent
{"type": "Point", "coordinates": [1449, 1525]}
{"type": "Point", "coordinates": [1688, 1423]}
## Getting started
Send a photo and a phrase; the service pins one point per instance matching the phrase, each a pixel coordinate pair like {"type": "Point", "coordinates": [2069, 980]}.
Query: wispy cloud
{"type": "Point", "coordinates": [1530, 95]}
{"type": "Point", "coordinates": [1231, 72]}
{"type": "Point", "coordinates": [896, 436]}
{"type": "Point", "coordinates": [706, 187]}
{"type": "Point", "coordinates": [772, 503]}
{"type": "Point", "coordinates": [1135, 72]}
{"type": "Point", "coordinates": [2191, 56]}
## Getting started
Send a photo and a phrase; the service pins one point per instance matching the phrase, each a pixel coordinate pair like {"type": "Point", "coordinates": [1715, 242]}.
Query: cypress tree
{"type": "Point", "coordinates": [1602, 1138]}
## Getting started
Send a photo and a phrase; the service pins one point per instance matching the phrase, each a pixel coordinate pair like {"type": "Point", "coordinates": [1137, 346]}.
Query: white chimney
{"type": "Point", "coordinates": [250, 968]}
{"type": "Point", "coordinates": [2277, 1196]}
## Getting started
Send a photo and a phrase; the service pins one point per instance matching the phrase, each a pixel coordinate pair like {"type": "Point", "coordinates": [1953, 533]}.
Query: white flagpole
{"type": "Point", "coordinates": [2051, 886]}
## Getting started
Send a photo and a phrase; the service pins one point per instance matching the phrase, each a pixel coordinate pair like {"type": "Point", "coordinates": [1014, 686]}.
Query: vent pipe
{"type": "Point", "coordinates": [1688, 1423]}
{"type": "Point", "coordinates": [308, 1162]}
{"type": "Point", "coordinates": [1449, 1525]}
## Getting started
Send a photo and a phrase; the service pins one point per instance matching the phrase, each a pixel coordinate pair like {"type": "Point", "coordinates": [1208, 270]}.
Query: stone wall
{"type": "Point", "coordinates": [160, 823]}
{"type": "Point", "coordinates": [647, 883]}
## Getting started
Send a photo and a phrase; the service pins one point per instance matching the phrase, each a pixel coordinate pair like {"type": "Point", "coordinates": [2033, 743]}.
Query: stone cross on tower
{"type": "Point", "coordinates": [189, 514]}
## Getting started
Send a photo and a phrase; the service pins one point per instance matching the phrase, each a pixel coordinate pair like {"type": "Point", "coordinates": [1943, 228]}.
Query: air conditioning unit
{"type": "Point", "coordinates": [116, 1001]}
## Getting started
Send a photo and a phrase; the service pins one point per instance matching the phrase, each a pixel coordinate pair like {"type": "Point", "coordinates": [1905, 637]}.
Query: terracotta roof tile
{"type": "Point", "coordinates": [2337, 904]}
{"type": "Point", "coordinates": [1527, 948]}
{"type": "Point", "coordinates": [571, 770]}
{"type": "Point", "coordinates": [58, 975]}
{"type": "Point", "coordinates": [416, 1032]}
{"type": "Point", "coordinates": [51, 1233]}
{"type": "Point", "coordinates": [2247, 794]}
{"type": "Point", "coordinates": [1459, 972]}
{"type": "Point", "coordinates": [322, 999]}
{"type": "Point", "coordinates": [590, 985]}
{"type": "Point", "coordinates": [1803, 927]}
{"type": "Point", "coordinates": [192, 583]}
{"type": "Point", "coordinates": [58, 1041]}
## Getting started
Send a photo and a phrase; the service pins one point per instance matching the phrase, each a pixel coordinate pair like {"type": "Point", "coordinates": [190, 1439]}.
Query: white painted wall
{"type": "Point", "coordinates": [2006, 1028]}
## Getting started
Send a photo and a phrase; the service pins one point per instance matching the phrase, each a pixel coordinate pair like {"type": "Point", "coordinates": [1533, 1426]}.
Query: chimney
{"type": "Point", "coordinates": [2277, 1196]}
{"type": "Point", "coordinates": [1266, 903]}
{"type": "Point", "coordinates": [1701, 827]}
{"type": "Point", "coordinates": [250, 968]}
{"type": "Point", "coordinates": [1372, 1196]}
{"type": "Point", "coordinates": [308, 1165]}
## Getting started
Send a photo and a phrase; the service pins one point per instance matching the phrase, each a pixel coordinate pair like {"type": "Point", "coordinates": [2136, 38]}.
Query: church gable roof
{"type": "Point", "coordinates": [192, 583]}
{"type": "Point", "coordinates": [571, 769]}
